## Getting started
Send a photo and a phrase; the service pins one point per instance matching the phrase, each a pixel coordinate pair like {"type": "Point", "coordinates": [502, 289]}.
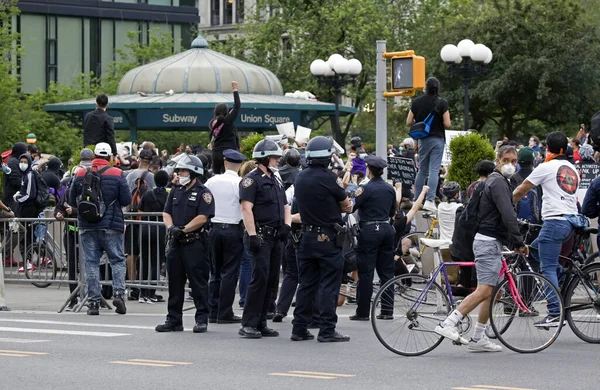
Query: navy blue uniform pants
{"type": "Point", "coordinates": [375, 251]}
{"type": "Point", "coordinates": [290, 280]}
{"type": "Point", "coordinates": [187, 262]}
{"type": "Point", "coordinates": [264, 283]}
{"type": "Point", "coordinates": [320, 265]}
{"type": "Point", "coordinates": [227, 251]}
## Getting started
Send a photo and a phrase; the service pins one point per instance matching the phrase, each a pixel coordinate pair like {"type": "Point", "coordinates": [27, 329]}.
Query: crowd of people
{"type": "Point", "coordinates": [300, 210]}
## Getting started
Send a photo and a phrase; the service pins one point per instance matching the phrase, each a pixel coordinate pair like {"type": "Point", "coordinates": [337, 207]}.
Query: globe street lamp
{"type": "Point", "coordinates": [335, 73]}
{"type": "Point", "coordinates": [31, 138]}
{"type": "Point", "coordinates": [474, 58]}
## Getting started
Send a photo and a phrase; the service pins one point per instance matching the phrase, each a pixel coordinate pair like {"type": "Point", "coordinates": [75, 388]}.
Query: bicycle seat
{"type": "Point", "coordinates": [432, 243]}
{"type": "Point", "coordinates": [588, 230]}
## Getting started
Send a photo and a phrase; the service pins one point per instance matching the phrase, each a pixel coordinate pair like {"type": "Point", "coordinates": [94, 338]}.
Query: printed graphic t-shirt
{"type": "Point", "coordinates": [559, 181]}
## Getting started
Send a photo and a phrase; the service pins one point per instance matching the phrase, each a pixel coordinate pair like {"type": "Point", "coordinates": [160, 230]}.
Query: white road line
{"type": "Point", "coordinates": [63, 332]}
{"type": "Point", "coordinates": [91, 325]}
{"type": "Point", "coordinates": [21, 341]}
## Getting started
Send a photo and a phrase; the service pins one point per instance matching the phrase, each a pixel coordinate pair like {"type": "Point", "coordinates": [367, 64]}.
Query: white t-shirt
{"type": "Point", "coordinates": [446, 215]}
{"type": "Point", "coordinates": [559, 180]}
{"type": "Point", "coordinates": [226, 193]}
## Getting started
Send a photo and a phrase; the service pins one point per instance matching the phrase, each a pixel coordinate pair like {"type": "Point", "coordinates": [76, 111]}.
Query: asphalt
{"type": "Point", "coordinates": [41, 349]}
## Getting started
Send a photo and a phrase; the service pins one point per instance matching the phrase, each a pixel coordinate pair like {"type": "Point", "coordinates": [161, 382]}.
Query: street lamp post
{"type": "Point", "coordinates": [335, 73]}
{"type": "Point", "coordinates": [474, 58]}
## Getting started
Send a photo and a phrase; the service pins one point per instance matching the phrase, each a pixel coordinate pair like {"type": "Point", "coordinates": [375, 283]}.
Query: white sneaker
{"type": "Point", "coordinates": [450, 332]}
{"type": "Point", "coordinates": [484, 345]}
{"type": "Point", "coordinates": [429, 205]}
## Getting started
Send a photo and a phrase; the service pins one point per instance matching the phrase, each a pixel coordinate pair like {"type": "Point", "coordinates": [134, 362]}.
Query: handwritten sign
{"type": "Point", "coordinates": [589, 171]}
{"type": "Point", "coordinates": [401, 169]}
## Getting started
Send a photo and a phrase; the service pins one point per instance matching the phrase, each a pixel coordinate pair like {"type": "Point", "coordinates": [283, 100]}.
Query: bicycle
{"type": "Point", "coordinates": [430, 233]}
{"type": "Point", "coordinates": [429, 304]}
{"type": "Point", "coordinates": [579, 287]}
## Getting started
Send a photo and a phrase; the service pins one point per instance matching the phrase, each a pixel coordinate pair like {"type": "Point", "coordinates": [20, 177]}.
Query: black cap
{"type": "Point", "coordinates": [233, 156]}
{"type": "Point", "coordinates": [375, 162]}
{"type": "Point", "coordinates": [146, 155]}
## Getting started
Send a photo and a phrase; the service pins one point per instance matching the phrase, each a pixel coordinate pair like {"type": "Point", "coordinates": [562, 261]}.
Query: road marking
{"type": "Point", "coordinates": [142, 364]}
{"type": "Point", "coordinates": [21, 341]}
{"type": "Point", "coordinates": [159, 361]}
{"type": "Point", "coordinates": [323, 373]}
{"type": "Point", "coordinates": [13, 354]}
{"type": "Point", "coordinates": [91, 325]}
{"type": "Point", "coordinates": [301, 376]}
{"type": "Point", "coordinates": [9, 353]}
{"type": "Point", "coordinates": [63, 332]}
{"type": "Point", "coordinates": [499, 387]}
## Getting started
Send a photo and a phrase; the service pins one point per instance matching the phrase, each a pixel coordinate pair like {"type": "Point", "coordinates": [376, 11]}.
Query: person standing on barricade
{"type": "Point", "coordinates": [226, 239]}
{"type": "Point", "coordinates": [189, 208]}
{"type": "Point", "coordinates": [267, 219]}
{"type": "Point", "coordinates": [100, 193]}
{"type": "Point", "coordinates": [321, 200]}
{"type": "Point", "coordinates": [376, 205]}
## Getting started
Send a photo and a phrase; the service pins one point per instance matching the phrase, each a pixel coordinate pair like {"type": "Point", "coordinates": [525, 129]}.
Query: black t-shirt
{"type": "Point", "coordinates": [154, 201]}
{"type": "Point", "coordinates": [318, 193]}
{"type": "Point", "coordinates": [424, 105]}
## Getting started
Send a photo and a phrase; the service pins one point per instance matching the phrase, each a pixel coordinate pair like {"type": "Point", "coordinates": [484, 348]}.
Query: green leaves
{"type": "Point", "coordinates": [466, 152]}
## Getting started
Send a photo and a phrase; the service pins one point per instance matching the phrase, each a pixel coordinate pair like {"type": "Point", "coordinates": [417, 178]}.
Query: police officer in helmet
{"type": "Point", "coordinates": [189, 208]}
{"type": "Point", "coordinates": [267, 219]}
{"type": "Point", "coordinates": [376, 204]}
{"type": "Point", "coordinates": [321, 199]}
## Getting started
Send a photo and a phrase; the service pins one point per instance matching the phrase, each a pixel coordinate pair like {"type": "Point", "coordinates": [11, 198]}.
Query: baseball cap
{"type": "Point", "coordinates": [146, 155]}
{"type": "Point", "coordinates": [86, 154]}
{"type": "Point", "coordinates": [103, 150]}
{"type": "Point", "coordinates": [526, 155]}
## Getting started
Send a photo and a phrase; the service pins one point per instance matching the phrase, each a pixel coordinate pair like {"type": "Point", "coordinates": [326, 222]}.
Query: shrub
{"type": "Point", "coordinates": [248, 143]}
{"type": "Point", "coordinates": [466, 152]}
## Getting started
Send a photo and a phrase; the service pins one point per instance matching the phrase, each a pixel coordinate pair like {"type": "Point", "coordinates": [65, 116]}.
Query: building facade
{"type": "Point", "coordinates": [64, 38]}
{"type": "Point", "coordinates": [221, 17]}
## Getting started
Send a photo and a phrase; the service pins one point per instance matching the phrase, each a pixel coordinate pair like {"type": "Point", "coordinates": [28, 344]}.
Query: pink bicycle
{"type": "Point", "coordinates": [410, 307]}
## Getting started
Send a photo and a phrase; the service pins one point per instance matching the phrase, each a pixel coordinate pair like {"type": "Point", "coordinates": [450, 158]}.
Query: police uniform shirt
{"type": "Point", "coordinates": [267, 195]}
{"type": "Point", "coordinates": [184, 205]}
{"type": "Point", "coordinates": [226, 190]}
{"type": "Point", "coordinates": [318, 193]}
{"type": "Point", "coordinates": [375, 201]}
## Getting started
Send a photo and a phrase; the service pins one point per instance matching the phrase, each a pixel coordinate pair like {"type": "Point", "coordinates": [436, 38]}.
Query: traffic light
{"type": "Point", "coordinates": [408, 72]}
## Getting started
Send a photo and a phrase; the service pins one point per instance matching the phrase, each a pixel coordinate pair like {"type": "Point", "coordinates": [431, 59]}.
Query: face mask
{"type": "Point", "coordinates": [508, 170]}
{"type": "Point", "coordinates": [23, 166]}
{"type": "Point", "coordinates": [362, 156]}
{"type": "Point", "coordinates": [184, 180]}
{"type": "Point", "coordinates": [531, 144]}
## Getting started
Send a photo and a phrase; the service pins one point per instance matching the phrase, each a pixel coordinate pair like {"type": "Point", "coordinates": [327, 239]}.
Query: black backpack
{"type": "Point", "coordinates": [90, 204]}
{"type": "Point", "coordinates": [42, 196]}
{"type": "Point", "coordinates": [466, 226]}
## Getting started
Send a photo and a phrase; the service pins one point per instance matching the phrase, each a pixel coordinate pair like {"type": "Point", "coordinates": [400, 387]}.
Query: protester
{"type": "Point", "coordinates": [222, 130]}
{"type": "Point", "coordinates": [98, 126]}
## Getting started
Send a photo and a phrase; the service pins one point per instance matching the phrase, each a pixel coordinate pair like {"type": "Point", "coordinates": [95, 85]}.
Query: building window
{"type": "Point", "coordinates": [51, 49]}
{"type": "Point", "coordinates": [239, 11]}
{"type": "Point", "coordinates": [228, 8]}
{"type": "Point", "coordinates": [215, 12]}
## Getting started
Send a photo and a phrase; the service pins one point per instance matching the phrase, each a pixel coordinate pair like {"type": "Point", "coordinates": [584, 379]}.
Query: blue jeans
{"type": "Point", "coordinates": [431, 150]}
{"type": "Point", "coordinates": [94, 243]}
{"type": "Point", "coordinates": [245, 275]}
{"type": "Point", "coordinates": [547, 249]}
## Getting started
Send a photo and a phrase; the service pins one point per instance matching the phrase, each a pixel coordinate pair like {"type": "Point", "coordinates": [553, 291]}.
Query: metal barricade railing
{"type": "Point", "coordinates": [45, 252]}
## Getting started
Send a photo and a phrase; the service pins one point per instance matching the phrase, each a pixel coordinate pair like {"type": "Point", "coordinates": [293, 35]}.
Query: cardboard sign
{"type": "Point", "coordinates": [450, 135]}
{"type": "Point", "coordinates": [589, 171]}
{"type": "Point", "coordinates": [302, 134]}
{"type": "Point", "coordinates": [286, 129]}
{"type": "Point", "coordinates": [401, 169]}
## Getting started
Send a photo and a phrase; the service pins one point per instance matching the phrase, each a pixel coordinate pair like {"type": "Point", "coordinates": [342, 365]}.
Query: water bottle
{"type": "Point", "coordinates": [6, 169]}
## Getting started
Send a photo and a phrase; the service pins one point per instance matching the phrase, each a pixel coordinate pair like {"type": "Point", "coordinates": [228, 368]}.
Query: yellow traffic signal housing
{"type": "Point", "coordinates": [408, 72]}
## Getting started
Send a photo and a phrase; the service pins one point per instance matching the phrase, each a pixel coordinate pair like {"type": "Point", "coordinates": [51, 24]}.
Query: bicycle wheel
{"type": "Point", "coordinates": [520, 333]}
{"type": "Point", "coordinates": [406, 311]}
{"type": "Point", "coordinates": [593, 258]}
{"type": "Point", "coordinates": [40, 264]}
{"type": "Point", "coordinates": [582, 304]}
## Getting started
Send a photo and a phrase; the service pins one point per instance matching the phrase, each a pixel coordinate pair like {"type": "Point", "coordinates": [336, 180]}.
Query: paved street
{"type": "Point", "coordinates": [42, 349]}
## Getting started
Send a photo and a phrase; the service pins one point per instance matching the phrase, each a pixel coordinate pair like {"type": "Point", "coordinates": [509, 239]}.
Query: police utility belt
{"type": "Point", "coordinates": [366, 223]}
{"type": "Point", "coordinates": [219, 225]}
{"type": "Point", "coordinates": [337, 231]}
{"type": "Point", "coordinates": [266, 231]}
{"type": "Point", "coordinates": [188, 238]}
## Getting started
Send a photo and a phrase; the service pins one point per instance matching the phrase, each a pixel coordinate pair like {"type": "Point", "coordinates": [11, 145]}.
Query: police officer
{"type": "Point", "coordinates": [189, 207]}
{"type": "Point", "coordinates": [226, 239]}
{"type": "Point", "coordinates": [321, 199]}
{"type": "Point", "coordinates": [376, 204]}
{"type": "Point", "coordinates": [267, 219]}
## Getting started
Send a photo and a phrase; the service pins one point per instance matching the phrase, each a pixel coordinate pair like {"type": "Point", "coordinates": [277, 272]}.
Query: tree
{"type": "Point", "coordinates": [544, 62]}
{"type": "Point", "coordinates": [299, 31]}
{"type": "Point", "coordinates": [466, 152]}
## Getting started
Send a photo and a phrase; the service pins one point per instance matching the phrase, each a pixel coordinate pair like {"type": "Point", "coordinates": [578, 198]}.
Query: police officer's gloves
{"type": "Point", "coordinates": [254, 244]}
{"type": "Point", "coordinates": [284, 232]}
{"type": "Point", "coordinates": [176, 232]}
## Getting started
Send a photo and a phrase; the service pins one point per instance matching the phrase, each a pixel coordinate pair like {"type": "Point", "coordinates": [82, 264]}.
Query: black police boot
{"type": "Point", "coordinates": [119, 303]}
{"type": "Point", "coordinates": [270, 315]}
{"type": "Point", "coordinates": [302, 336]}
{"type": "Point", "coordinates": [93, 309]}
{"type": "Point", "coordinates": [268, 332]}
{"type": "Point", "coordinates": [231, 320]}
{"type": "Point", "coordinates": [212, 320]}
{"type": "Point", "coordinates": [200, 328]}
{"type": "Point", "coordinates": [169, 327]}
{"type": "Point", "coordinates": [356, 317]}
{"type": "Point", "coordinates": [278, 317]}
{"type": "Point", "coordinates": [334, 338]}
{"type": "Point", "coordinates": [249, 332]}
